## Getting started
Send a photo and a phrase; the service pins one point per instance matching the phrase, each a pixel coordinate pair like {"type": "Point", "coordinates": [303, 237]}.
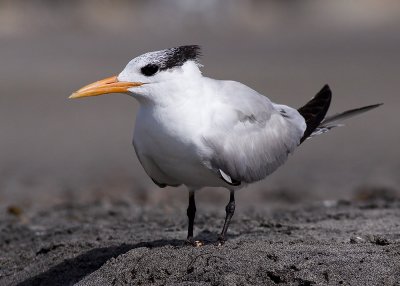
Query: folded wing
{"type": "Point", "coordinates": [253, 137]}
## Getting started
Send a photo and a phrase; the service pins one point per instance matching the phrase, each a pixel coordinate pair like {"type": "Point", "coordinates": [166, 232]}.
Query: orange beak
{"type": "Point", "coordinates": [104, 86]}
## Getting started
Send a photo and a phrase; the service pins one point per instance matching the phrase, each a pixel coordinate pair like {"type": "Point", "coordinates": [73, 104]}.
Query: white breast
{"type": "Point", "coordinates": [172, 140]}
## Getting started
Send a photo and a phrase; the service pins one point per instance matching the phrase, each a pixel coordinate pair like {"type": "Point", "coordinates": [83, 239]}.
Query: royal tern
{"type": "Point", "coordinates": [198, 131]}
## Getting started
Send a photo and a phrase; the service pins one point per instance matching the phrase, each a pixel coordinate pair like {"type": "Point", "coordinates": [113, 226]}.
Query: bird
{"type": "Point", "coordinates": [200, 132]}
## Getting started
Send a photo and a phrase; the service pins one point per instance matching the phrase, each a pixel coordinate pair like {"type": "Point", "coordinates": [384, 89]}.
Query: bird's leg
{"type": "Point", "coordinates": [230, 209]}
{"type": "Point", "coordinates": [191, 212]}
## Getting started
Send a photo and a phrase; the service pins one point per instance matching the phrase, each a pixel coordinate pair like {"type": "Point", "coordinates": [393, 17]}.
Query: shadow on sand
{"type": "Point", "coordinates": [73, 270]}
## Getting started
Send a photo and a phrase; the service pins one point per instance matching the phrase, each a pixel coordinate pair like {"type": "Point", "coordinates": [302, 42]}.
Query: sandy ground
{"type": "Point", "coordinates": [329, 243]}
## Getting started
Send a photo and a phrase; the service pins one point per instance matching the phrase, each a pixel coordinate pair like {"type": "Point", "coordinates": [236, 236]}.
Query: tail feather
{"type": "Point", "coordinates": [315, 110]}
{"type": "Point", "coordinates": [349, 113]}
{"type": "Point", "coordinates": [323, 129]}
{"type": "Point", "coordinates": [330, 121]}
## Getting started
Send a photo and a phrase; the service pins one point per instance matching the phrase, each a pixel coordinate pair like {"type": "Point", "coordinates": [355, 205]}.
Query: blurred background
{"type": "Point", "coordinates": [54, 150]}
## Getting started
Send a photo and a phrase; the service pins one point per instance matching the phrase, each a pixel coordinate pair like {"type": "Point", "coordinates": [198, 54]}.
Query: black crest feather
{"type": "Point", "coordinates": [178, 56]}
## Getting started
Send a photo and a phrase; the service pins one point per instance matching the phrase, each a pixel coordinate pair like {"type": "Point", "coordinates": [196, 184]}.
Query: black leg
{"type": "Point", "coordinates": [191, 212]}
{"type": "Point", "coordinates": [230, 210]}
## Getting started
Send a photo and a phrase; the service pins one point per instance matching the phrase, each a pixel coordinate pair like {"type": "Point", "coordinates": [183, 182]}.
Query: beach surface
{"type": "Point", "coordinates": [326, 243]}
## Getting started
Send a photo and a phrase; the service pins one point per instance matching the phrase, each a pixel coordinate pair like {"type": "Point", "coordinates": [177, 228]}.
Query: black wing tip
{"type": "Point", "coordinates": [369, 107]}
{"type": "Point", "coordinates": [315, 110]}
{"type": "Point", "coordinates": [375, 105]}
{"type": "Point", "coordinates": [325, 91]}
{"type": "Point", "coordinates": [326, 88]}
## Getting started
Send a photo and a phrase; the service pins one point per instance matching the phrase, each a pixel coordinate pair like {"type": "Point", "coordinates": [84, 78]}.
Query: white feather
{"type": "Point", "coordinates": [191, 126]}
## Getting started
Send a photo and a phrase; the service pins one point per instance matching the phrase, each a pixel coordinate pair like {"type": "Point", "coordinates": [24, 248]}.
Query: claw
{"type": "Point", "coordinates": [194, 243]}
{"type": "Point", "coordinates": [198, 243]}
{"type": "Point", "coordinates": [221, 240]}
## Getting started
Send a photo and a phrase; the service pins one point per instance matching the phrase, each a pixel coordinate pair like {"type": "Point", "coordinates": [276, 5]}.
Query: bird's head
{"type": "Point", "coordinates": [149, 73]}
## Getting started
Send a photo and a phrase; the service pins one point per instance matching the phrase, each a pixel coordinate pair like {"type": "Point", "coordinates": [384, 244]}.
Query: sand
{"type": "Point", "coordinates": [327, 243]}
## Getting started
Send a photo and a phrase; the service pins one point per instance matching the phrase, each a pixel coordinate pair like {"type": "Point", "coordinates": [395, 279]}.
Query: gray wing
{"type": "Point", "coordinates": [253, 137]}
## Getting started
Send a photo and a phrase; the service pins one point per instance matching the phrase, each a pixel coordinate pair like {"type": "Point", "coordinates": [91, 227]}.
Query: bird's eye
{"type": "Point", "coordinates": [149, 70]}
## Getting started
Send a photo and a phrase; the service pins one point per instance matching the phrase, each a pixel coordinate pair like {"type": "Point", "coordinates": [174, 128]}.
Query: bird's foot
{"type": "Point", "coordinates": [194, 243]}
{"type": "Point", "coordinates": [221, 240]}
